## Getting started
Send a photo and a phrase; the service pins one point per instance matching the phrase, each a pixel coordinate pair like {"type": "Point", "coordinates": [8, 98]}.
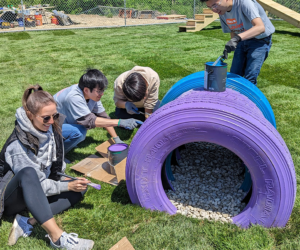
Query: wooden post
{"type": "Point", "coordinates": [125, 11]}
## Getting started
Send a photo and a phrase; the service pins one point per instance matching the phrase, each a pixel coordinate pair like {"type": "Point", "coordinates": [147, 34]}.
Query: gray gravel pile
{"type": "Point", "coordinates": [207, 182]}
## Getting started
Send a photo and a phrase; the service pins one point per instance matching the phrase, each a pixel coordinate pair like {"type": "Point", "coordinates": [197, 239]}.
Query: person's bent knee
{"type": "Point", "coordinates": [78, 135]}
{"type": "Point", "coordinates": [81, 133]}
{"type": "Point", "coordinates": [76, 197]}
{"type": "Point", "coordinates": [27, 174]}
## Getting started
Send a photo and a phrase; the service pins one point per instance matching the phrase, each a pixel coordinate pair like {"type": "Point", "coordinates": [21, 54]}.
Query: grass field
{"type": "Point", "coordinates": [57, 59]}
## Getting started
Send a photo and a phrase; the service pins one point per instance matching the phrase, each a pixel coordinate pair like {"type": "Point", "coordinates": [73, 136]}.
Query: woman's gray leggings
{"type": "Point", "coordinates": [25, 190]}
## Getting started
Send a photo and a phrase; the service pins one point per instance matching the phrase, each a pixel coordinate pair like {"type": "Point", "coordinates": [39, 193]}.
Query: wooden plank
{"type": "Point", "coordinates": [197, 25]}
{"type": "Point", "coordinates": [281, 11]}
{"type": "Point", "coordinates": [190, 23]}
{"type": "Point", "coordinates": [203, 16]}
{"type": "Point", "coordinates": [171, 17]}
{"type": "Point", "coordinates": [200, 26]}
{"type": "Point", "coordinates": [199, 17]}
{"type": "Point", "coordinates": [206, 15]}
{"type": "Point", "coordinates": [207, 11]}
{"type": "Point", "coordinates": [176, 16]}
{"type": "Point", "coordinates": [197, 21]}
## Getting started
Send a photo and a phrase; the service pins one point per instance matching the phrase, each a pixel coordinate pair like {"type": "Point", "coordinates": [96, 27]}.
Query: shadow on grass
{"type": "Point", "coordinates": [7, 218]}
{"type": "Point", "coordinates": [284, 32]}
{"type": "Point", "coordinates": [215, 27]}
{"type": "Point", "coordinates": [63, 32]}
{"type": "Point", "coordinates": [17, 36]}
{"type": "Point", "coordinates": [77, 156]}
{"type": "Point", "coordinates": [74, 156]}
{"type": "Point", "coordinates": [10, 218]}
{"type": "Point", "coordinates": [120, 194]}
{"type": "Point", "coordinates": [89, 140]}
{"type": "Point", "coordinates": [84, 205]}
{"type": "Point", "coordinates": [123, 133]}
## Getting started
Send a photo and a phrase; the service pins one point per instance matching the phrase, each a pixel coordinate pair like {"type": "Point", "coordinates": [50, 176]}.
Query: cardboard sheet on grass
{"type": "Point", "coordinates": [123, 244]}
{"type": "Point", "coordinates": [99, 168]}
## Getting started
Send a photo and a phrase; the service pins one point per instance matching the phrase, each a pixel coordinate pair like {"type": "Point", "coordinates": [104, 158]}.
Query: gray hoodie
{"type": "Point", "coordinates": [18, 157]}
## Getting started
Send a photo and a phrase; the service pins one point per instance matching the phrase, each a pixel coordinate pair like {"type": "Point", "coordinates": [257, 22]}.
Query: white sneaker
{"type": "Point", "coordinates": [19, 228]}
{"type": "Point", "coordinates": [71, 241]}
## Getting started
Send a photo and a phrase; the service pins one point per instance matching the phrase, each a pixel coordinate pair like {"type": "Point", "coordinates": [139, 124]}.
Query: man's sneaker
{"type": "Point", "coordinates": [71, 241]}
{"type": "Point", "coordinates": [19, 228]}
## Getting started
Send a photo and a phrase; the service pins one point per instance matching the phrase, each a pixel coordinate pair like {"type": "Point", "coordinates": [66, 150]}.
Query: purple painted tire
{"type": "Point", "coordinates": [228, 119]}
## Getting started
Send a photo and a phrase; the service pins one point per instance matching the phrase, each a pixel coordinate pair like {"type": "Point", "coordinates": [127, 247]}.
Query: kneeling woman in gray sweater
{"type": "Point", "coordinates": [34, 153]}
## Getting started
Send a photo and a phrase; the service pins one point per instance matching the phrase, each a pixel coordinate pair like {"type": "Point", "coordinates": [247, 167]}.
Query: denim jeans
{"type": "Point", "coordinates": [249, 57]}
{"type": "Point", "coordinates": [73, 134]}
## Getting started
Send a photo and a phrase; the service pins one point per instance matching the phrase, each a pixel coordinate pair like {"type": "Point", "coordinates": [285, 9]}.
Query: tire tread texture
{"type": "Point", "coordinates": [233, 81]}
{"type": "Point", "coordinates": [231, 120]}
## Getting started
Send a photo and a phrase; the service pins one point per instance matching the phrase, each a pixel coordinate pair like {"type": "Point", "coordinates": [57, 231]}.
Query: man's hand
{"type": "Point", "coordinates": [78, 185]}
{"type": "Point", "coordinates": [225, 54]}
{"type": "Point", "coordinates": [131, 108]}
{"type": "Point", "coordinates": [129, 123]}
{"type": "Point", "coordinates": [232, 44]}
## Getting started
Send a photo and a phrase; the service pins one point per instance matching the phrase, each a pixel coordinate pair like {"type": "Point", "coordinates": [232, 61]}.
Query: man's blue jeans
{"type": "Point", "coordinates": [72, 134]}
{"type": "Point", "coordinates": [249, 57]}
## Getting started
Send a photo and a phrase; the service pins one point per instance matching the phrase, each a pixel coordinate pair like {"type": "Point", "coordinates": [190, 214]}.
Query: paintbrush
{"type": "Point", "coordinates": [219, 58]}
{"type": "Point", "coordinates": [94, 185]}
{"type": "Point", "coordinates": [141, 113]}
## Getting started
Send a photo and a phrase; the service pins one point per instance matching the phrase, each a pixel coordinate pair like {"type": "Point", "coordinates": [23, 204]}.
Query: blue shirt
{"type": "Point", "coordinates": [242, 13]}
{"type": "Point", "coordinates": [71, 102]}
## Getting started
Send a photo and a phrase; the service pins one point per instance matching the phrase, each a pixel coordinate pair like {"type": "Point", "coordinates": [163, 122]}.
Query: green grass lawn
{"type": "Point", "coordinates": [57, 59]}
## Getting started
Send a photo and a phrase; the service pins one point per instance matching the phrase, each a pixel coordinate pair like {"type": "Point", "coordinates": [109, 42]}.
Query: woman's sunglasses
{"type": "Point", "coordinates": [48, 117]}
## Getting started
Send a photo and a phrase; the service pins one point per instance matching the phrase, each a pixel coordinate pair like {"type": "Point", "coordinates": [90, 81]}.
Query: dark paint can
{"type": "Point", "coordinates": [215, 76]}
{"type": "Point", "coordinates": [116, 153]}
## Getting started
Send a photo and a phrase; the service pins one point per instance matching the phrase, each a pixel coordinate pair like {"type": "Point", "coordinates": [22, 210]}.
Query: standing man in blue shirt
{"type": "Point", "coordinates": [251, 34]}
{"type": "Point", "coordinates": [81, 105]}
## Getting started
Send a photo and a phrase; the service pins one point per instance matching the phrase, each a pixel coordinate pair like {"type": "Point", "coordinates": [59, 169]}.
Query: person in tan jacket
{"type": "Point", "coordinates": [136, 91]}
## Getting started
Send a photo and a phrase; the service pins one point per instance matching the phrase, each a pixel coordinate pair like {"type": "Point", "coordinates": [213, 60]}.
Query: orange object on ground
{"type": "Point", "coordinates": [38, 20]}
{"type": "Point", "coordinates": [54, 20]}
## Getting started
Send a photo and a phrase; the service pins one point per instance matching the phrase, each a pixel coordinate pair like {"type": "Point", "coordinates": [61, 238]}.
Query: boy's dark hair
{"type": "Point", "coordinates": [135, 87]}
{"type": "Point", "coordinates": [93, 78]}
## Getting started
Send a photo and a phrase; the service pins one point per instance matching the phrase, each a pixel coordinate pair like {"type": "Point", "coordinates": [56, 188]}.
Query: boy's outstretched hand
{"type": "Point", "coordinates": [129, 123]}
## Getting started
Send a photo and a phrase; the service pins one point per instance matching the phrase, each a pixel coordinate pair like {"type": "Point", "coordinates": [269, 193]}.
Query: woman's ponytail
{"type": "Point", "coordinates": [26, 95]}
{"type": "Point", "coordinates": [35, 98]}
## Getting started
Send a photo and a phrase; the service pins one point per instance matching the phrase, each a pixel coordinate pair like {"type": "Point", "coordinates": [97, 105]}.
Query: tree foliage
{"type": "Point", "coordinates": [183, 7]}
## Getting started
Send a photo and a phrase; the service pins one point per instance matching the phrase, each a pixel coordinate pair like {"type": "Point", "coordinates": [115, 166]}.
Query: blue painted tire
{"type": "Point", "coordinates": [233, 81]}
